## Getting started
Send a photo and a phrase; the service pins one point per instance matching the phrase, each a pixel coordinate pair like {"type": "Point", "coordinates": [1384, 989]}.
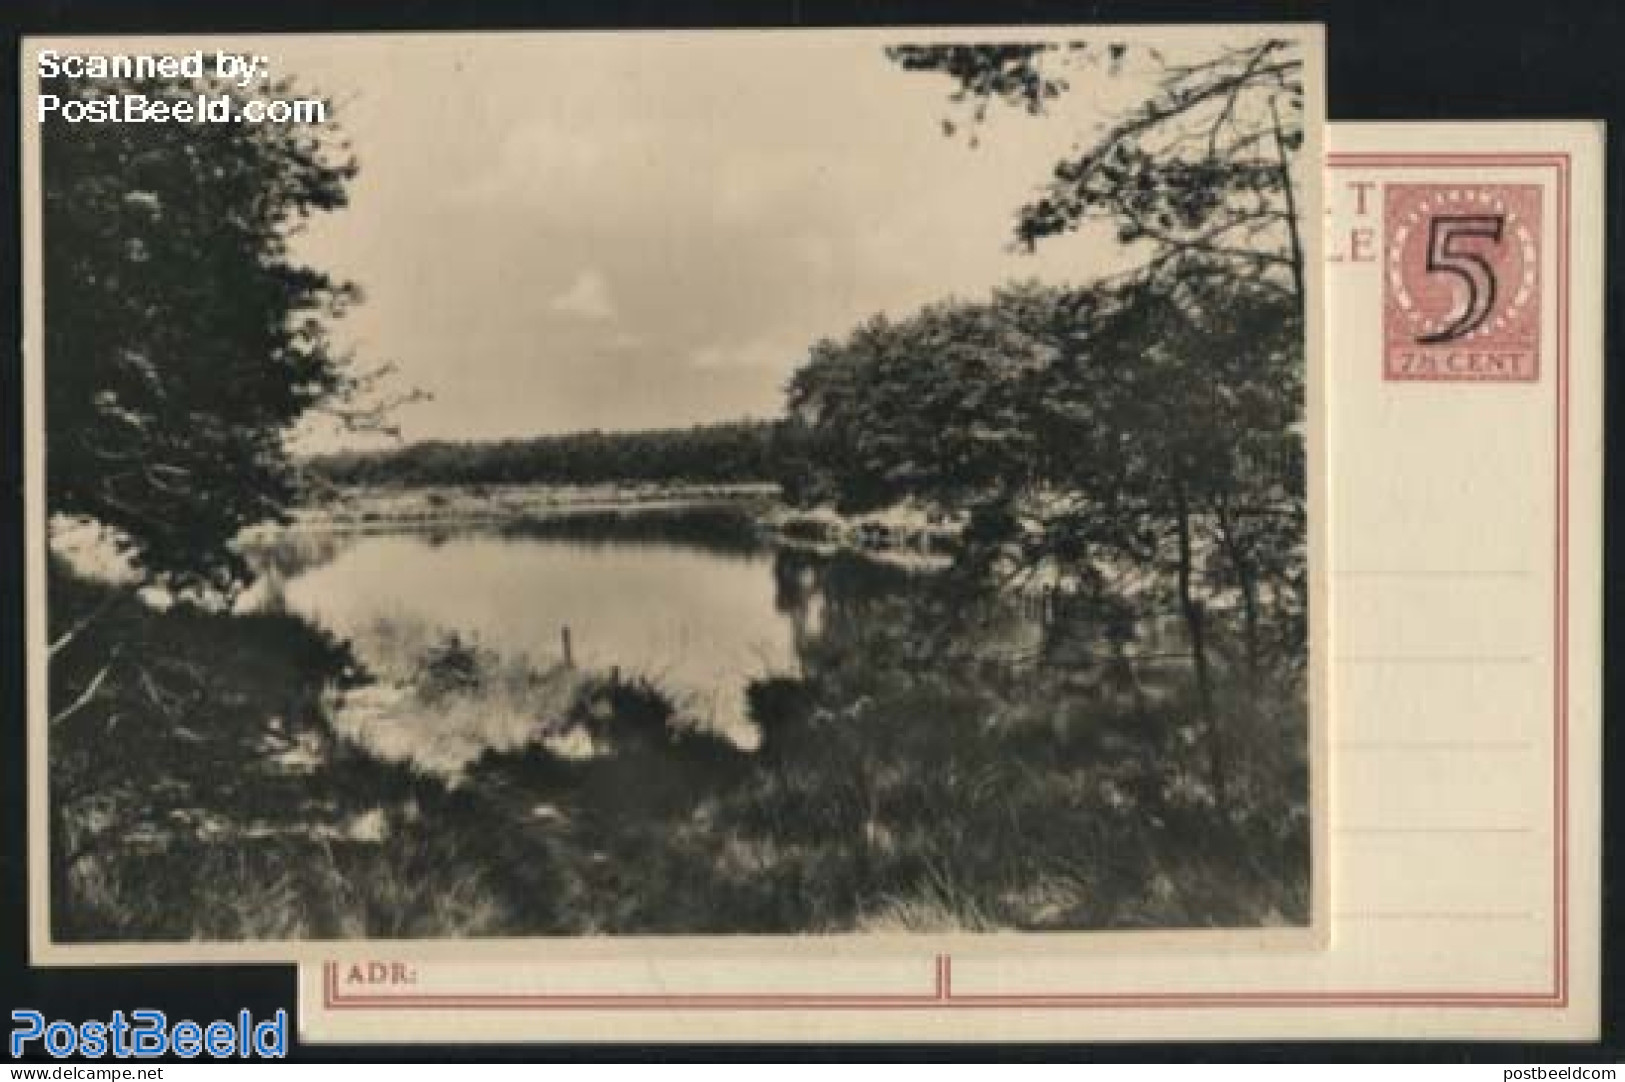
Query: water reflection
{"type": "Point", "coordinates": [701, 602]}
{"type": "Point", "coordinates": [686, 599]}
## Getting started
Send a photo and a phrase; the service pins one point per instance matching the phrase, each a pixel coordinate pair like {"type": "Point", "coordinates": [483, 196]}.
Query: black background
{"type": "Point", "coordinates": [1396, 60]}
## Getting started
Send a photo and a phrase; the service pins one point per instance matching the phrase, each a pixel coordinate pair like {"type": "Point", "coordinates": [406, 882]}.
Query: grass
{"type": "Point", "coordinates": [439, 698]}
{"type": "Point", "coordinates": [217, 786]}
{"type": "Point", "coordinates": [406, 886]}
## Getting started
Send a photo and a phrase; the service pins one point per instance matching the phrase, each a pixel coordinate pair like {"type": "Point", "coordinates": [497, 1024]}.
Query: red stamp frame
{"type": "Point", "coordinates": [1461, 282]}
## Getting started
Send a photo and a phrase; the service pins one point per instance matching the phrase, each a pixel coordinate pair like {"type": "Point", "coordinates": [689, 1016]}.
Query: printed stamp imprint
{"type": "Point", "coordinates": [1461, 282]}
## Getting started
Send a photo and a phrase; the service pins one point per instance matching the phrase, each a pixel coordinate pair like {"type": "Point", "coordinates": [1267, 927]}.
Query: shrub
{"type": "Point", "coordinates": [451, 666]}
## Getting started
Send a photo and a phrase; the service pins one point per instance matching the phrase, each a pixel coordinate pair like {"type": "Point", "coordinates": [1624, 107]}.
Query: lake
{"type": "Point", "coordinates": [693, 599]}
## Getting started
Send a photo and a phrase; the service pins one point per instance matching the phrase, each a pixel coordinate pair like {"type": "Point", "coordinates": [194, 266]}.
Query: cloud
{"type": "Point", "coordinates": [586, 298]}
{"type": "Point", "coordinates": [678, 244]}
{"type": "Point", "coordinates": [763, 352]}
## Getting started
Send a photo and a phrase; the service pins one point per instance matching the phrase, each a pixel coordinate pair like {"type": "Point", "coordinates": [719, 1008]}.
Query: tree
{"type": "Point", "coordinates": [1139, 451]}
{"type": "Point", "coordinates": [937, 405]}
{"type": "Point", "coordinates": [1203, 171]}
{"type": "Point", "coordinates": [1162, 412]}
{"type": "Point", "coordinates": [182, 338]}
{"type": "Point", "coordinates": [719, 453]}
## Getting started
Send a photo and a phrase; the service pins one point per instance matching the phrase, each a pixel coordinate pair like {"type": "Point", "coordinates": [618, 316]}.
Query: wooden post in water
{"type": "Point", "coordinates": [569, 656]}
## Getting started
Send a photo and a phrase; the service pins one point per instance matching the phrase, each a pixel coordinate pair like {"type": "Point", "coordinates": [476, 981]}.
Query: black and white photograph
{"type": "Point", "coordinates": [710, 483]}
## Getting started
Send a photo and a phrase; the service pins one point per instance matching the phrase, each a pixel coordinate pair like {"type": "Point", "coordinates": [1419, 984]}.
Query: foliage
{"type": "Point", "coordinates": [182, 336]}
{"type": "Point", "coordinates": [1168, 430]}
{"type": "Point", "coordinates": [199, 792]}
{"type": "Point", "coordinates": [718, 453]}
{"type": "Point", "coordinates": [1202, 170]}
{"type": "Point", "coordinates": [904, 784]}
{"type": "Point", "coordinates": [1070, 424]}
{"type": "Point", "coordinates": [449, 666]}
{"type": "Point", "coordinates": [1139, 447]}
{"type": "Point", "coordinates": [936, 405]}
{"type": "Point", "coordinates": [724, 528]}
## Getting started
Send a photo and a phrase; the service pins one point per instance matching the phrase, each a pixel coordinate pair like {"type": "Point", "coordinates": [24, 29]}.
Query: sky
{"type": "Point", "coordinates": [558, 232]}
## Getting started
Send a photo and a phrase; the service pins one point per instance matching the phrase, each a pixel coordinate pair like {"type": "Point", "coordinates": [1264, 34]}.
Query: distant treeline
{"type": "Point", "coordinates": [729, 452]}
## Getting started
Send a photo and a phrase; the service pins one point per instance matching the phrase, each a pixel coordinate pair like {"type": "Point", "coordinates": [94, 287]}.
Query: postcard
{"type": "Point", "coordinates": [797, 498]}
{"type": "Point", "coordinates": [1464, 376]}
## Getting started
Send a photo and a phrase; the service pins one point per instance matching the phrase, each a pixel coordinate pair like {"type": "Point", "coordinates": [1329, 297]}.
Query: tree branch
{"type": "Point", "coordinates": [89, 618]}
{"type": "Point", "coordinates": [87, 695]}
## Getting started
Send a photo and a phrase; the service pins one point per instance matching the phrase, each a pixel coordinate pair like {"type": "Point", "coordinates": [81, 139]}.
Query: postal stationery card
{"type": "Point", "coordinates": [811, 534]}
{"type": "Point", "coordinates": [796, 518]}
{"type": "Point", "coordinates": [1464, 381]}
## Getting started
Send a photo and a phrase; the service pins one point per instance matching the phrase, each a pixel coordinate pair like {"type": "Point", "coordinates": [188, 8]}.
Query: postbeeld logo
{"type": "Point", "coordinates": [147, 1034]}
